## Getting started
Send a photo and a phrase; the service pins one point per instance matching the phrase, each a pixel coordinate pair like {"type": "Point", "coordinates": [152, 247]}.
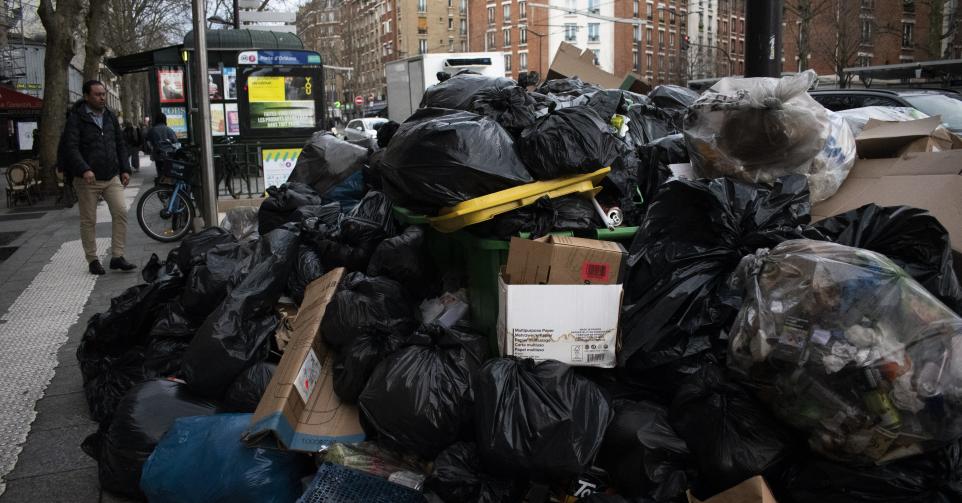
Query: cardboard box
{"type": "Point", "coordinates": [927, 180]}
{"type": "Point", "coordinates": [571, 61]}
{"type": "Point", "coordinates": [299, 411]}
{"type": "Point", "coordinates": [882, 139]}
{"type": "Point", "coordinates": [574, 324]}
{"type": "Point", "coordinates": [753, 490]}
{"type": "Point", "coordinates": [556, 260]}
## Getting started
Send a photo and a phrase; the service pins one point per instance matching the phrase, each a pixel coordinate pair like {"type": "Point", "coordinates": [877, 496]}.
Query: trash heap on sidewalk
{"type": "Point", "coordinates": [731, 297]}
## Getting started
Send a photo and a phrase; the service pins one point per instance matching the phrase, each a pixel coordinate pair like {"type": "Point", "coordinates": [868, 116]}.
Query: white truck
{"type": "Point", "coordinates": [408, 78]}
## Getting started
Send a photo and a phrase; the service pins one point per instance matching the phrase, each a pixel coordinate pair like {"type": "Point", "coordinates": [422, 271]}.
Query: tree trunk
{"type": "Point", "coordinates": [59, 52]}
{"type": "Point", "coordinates": [94, 49]}
{"type": "Point", "coordinates": [127, 96]}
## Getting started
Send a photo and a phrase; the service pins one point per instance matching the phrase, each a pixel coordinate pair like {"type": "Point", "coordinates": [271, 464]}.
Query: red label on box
{"type": "Point", "coordinates": [594, 271]}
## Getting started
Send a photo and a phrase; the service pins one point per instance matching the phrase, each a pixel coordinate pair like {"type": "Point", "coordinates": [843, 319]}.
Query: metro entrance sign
{"type": "Point", "coordinates": [359, 100]}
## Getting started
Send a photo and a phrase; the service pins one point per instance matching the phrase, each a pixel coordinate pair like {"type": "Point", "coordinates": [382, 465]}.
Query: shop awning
{"type": "Point", "coordinates": [13, 100]}
{"type": "Point", "coordinates": [142, 61]}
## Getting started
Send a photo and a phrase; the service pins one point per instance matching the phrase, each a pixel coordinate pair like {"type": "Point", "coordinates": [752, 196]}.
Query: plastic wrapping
{"type": "Point", "coordinates": [202, 460]}
{"type": "Point", "coordinates": [420, 398]}
{"type": "Point", "coordinates": [241, 222]}
{"type": "Point", "coordinates": [405, 259]}
{"type": "Point", "coordinates": [648, 123]}
{"type": "Point", "coordinates": [371, 458]}
{"type": "Point", "coordinates": [654, 159]}
{"type": "Point", "coordinates": [857, 118]}
{"type": "Point", "coordinates": [223, 267]}
{"type": "Point", "coordinates": [458, 92]}
{"type": "Point", "coordinates": [572, 85]}
{"type": "Point", "coordinates": [760, 129]}
{"type": "Point", "coordinates": [281, 202]}
{"type": "Point", "coordinates": [458, 477]}
{"type": "Point", "coordinates": [194, 247]}
{"type": "Point", "coordinates": [511, 107]}
{"type": "Point", "coordinates": [326, 161]}
{"type": "Point", "coordinates": [844, 345]}
{"type": "Point", "coordinates": [369, 222]}
{"type": "Point", "coordinates": [307, 268]}
{"type": "Point", "coordinates": [542, 420]}
{"type": "Point", "coordinates": [246, 391]}
{"type": "Point", "coordinates": [568, 141]}
{"type": "Point", "coordinates": [442, 157]}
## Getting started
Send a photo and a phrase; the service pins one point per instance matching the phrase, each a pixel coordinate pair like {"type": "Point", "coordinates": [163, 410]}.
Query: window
{"type": "Point", "coordinates": [507, 13]}
{"type": "Point", "coordinates": [523, 61]}
{"type": "Point", "coordinates": [464, 26]}
{"type": "Point", "coordinates": [650, 10]}
{"type": "Point", "coordinates": [507, 62]}
{"type": "Point", "coordinates": [671, 16]}
{"type": "Point", "coordinates": [864, 60]}
{"type": "Point", "coordinates": [661, 39]}
{"type": "Point", "coordinates": [422, 25]}
{"type": "Point", "coordinates": [594, 30]}
{"type": "Point", "coordinates": [490, 15]}
{"type": "Point", "coordinates": [648, 62]}
{"type": "Point", "coordinates": [463, 8]}
{"type": "Point", "coordinates": [522, 35]}
{"type": "Point", "coordinates": [671, 40]}
{"type": "Point", "coordinates": [570, 5]}
{"type": "Point", "coordinates": [597, 53]}
{"type": "Point", "coordinates": [635, 61]}
{"type": "Point", "coordinates": [522, 10]}
{"type": "Point", "coordinates": [636, 33]}
{"type": "Point", "coordinates": [507, 36]}
{"type": "Point", "coordinates": [648, 36]}
{"type": "Point", "coordinates": [661, 15]}
{"type": "Point", "coordinates": [422, 46]}
{"type": "Point", "coordinates": [868, 4]}
{"type": "Point", "coordinates": [594, 6]}
{"type": "Point", "coordinates": [492, 43]}
{"type": "Point", "coordinates": [450, 3]}
{"type": "Point", "coordinates": [387, 26]}
{"type": "Point", "coordinates": [450, 23]}
{"type": "Point", "coordinates": [907, 29]}
{"type": "Point", "coordinates": [634, 7]}
{"type": "Point", "coordinates": [422, 5]}
{"type": "Point", "coordinates": [571, 32]}
{"type": "Point", "coordinates": [464, 46]}
{"type": "Point", "coordinates": [865, 36]}
{"type": "Point", "coordinates": [908, 5]}
{"type": "Point", "coordinates": [450, 45]}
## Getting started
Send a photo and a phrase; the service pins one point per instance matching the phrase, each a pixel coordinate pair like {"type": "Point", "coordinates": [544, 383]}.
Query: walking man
{"type": "Point", "coordinates": [134, 140]}
{"type": "Point", "coordinates": [97, 159]}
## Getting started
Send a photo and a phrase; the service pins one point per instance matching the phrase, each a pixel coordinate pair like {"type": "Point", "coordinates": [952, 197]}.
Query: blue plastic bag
{"type": "Point", "coordinates": [201, 459]}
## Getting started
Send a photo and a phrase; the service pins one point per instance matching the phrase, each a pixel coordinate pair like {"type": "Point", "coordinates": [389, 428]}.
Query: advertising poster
{"type": "Point", "coordinates": [170, 82]}
{"type": "Point", "coordinates": [280, 102]}
{"type": "Point", "coordinates": [230, 83]}
{"type": "Point", "coordinates": [233, 119]}
{"type": "Point", "coordinates": [215, 84]}
{"type": "Point", "coordinates": [176, 120]}
{"type": "Point", "coordinates": [278, 164]}
{"type": "Point", "coordinates": [25, 134]}
{"type": "Point", "coordinates": [218, 121]}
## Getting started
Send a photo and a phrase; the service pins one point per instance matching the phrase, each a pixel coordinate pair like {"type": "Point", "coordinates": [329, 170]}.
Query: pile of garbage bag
{"type": "Point", "coordinates": [753, 343]}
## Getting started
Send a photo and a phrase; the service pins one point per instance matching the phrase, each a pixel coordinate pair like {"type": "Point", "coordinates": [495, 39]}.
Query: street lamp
{"type": "Point", "coordinates": [217, 19]}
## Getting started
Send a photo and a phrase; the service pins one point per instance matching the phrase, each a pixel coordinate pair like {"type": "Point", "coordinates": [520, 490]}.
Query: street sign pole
{"type": "Point", "coordinates": [763, 38]}
{"type": "Point", "coordinates": [201, 123]}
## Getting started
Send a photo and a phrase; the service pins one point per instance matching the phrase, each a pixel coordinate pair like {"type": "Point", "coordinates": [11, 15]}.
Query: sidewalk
{"type": "Point", "coordinates": [47, 295]}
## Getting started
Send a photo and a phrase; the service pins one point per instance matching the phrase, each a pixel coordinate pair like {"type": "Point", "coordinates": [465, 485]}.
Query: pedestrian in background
{"type": "Point", "coordinates": [134, 140]}
{"type": "Point", "coordinates": [160, 136]}
{"type": "Point", "coordinates": [95, 154]}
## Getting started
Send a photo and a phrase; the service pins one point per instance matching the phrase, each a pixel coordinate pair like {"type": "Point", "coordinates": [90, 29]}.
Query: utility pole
{"type": "Point", "coordinates": [763, 38]}
{"type": "Point", "coordinates": [236, 14]}
{"type": "Point", "coordinates": [201, 122]}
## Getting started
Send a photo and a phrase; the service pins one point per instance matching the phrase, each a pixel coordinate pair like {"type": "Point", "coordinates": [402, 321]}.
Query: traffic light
{"type": "Point", "coordinates": [685, 42]}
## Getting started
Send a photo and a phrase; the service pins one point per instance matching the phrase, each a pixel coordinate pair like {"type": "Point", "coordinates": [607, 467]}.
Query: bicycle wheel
{"type": "Point", "coordinates": [159, 224]}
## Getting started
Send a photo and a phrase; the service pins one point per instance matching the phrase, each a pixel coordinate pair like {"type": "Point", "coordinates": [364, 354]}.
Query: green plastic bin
{"type": "Point", "coordinates": [480, 260]}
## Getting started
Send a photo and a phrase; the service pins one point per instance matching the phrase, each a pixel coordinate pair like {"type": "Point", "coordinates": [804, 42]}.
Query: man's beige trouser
{"type": "Point", "coordinates": [113, 193]}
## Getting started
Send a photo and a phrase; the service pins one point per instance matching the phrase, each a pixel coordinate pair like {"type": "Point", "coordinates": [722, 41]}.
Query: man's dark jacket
{"type": "Point", "coordinates": [87, 146]}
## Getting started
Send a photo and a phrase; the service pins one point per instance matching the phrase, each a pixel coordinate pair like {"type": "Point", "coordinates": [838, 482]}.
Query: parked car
{"type": "Point", "coordinates": [362, 129]}
{"type": "Point", "coordinates": [944, 102]}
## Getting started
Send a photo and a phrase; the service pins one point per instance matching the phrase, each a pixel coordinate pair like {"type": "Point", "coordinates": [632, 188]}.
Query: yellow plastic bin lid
{"type": "Point", "coordinates": [481, 209]}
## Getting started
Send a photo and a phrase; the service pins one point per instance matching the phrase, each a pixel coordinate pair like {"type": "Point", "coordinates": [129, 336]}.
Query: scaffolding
{"type": "Point", "coordinates": [13, 49]}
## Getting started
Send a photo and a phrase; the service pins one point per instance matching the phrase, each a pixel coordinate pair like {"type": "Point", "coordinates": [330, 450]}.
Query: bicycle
{"type": "Point", "coordinates": [165, 211]}
{"type": "Point", "coordinates": [232, 173]}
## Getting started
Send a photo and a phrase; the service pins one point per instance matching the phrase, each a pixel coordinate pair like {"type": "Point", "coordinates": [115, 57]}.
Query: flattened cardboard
{"type": "Point", "coordinates": [753, 490]}
{"type": "Point", "coordinates": [574, 324]}
{"type": "Point", "coordinates": [884, 139]}
{"type": "Point", "coordinates": [927, 180]}
{"type": "Point", "coordinates": [556, 260]}
{"type": "Point", "coordinates": [571, 61]}
{"type": "Point", "coordinates": [283, 419]}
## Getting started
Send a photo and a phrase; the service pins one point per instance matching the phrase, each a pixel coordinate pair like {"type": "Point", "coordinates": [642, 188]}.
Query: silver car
{"type": "Point", "coordinates": [362, 129]}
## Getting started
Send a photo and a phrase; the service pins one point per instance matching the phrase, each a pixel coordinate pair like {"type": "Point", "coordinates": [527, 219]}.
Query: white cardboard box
{"type": "Point", "coordinates": [574, 324]}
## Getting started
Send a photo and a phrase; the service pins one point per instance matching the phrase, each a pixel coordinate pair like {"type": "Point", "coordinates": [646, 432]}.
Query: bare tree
{"type": "Point", "coordinates": [943, 24]}
{"type": "Point", "coordinates": [94, 48]}
{"type": "Point", "coordinates": [841, 49]}
{"type": "Point", "coordinates": [59, 51]}
{"type": "Point", "coordinates": [804, 13]}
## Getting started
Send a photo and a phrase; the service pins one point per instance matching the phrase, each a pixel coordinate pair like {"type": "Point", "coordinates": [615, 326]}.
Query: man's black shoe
{"type": "Point", "coordinates": [122, 264]}
{"type": "Point", "coordinates": [96, 268]}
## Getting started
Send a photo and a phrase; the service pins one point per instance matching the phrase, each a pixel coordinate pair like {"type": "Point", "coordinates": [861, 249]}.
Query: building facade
{"type": "Point", "coordinates": [318, 26]}
{"type": "Point", "coordinates": [425, 26]}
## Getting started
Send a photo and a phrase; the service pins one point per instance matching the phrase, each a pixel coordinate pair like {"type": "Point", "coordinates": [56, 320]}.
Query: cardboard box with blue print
{"type": "Point", "coordinates": [560, 298]}
{"type": "Point", "coordinates": [300, 411]}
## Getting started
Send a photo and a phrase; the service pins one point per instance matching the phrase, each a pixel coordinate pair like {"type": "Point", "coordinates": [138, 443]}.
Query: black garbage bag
{"type": "Point", "coordinates": [420, 398]}
{"type": "Point", "coordinates": [169, 338]}
{"type": "Point", "coordinates": [575, 213]}
{"type": "Point", "coordinates": [648, 123]}
{"type": "Point", "coordinates": [931, 478]}
{"type": "Point", "coordinates": [567, 213]}
{"type": "Point", "coordinates": [693, 236]}
{"type": "Point", "coordinates": [223, 267]}
{"type": "Point", "coordinates": [732, 437]}
{"type": "Point", "coordinates": [328, 213]}
{"type": "Point", "coordinates": [246, 391]}
{"type": "Point", "coordinates": [673, 99]}
{"type": "Point", "coordinates": [643, 454]}
{"type": "Point", "coordinates": [405, 259]}
{"type": "Point", "coordinates": [653, 161]}
{"type": "Point", "coordinates": [111, 351]}
{"type": "Point", "coordinates": [568, 141]}
{"type": "Point", "coordinates": [440, 157]}
{"type": "Point", "coordinates": [281, 202]}
{"type": "Point", "coordinates": [371, 221]}
{"type": "Point", "coordinates": [511, 107]}
{"type": "Point", "coordinates": [367, 305]}
{"type": "Point", "coordinates": [607, 103]}
{"type": "Point", "coordinates": [458, 92]}
{"type": "Point", "coordinates": [355, 363]}
{"type": "Point", "coordinates": [142, 418]}
{"type": "Point", "coordinates": [234, 335]}
{"type": "Point", "coordinates": [386, 132]}
{"type": "Point", "coordinates": [569, 85]}
{"type": "Point", "coordinates": [911, 237]}
{"type": "Point", "coordinates": [326, 161]}
{"type": "Point", "coordinates": [457, 477]}
{"type": "Point", "coordinates": [193, 248]}
{"type": "Point", "coordinates": [307, 268]}
{"type": "Point", "coordinates": [539, 419]}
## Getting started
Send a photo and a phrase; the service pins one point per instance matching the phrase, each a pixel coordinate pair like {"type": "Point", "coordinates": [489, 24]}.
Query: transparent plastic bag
{"type": "Point", "coordinates": [759, 129]}
{"type": "Point", "coordinates": [857, 118]}
{"type": "Point", "coordinates": [844, 345]}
